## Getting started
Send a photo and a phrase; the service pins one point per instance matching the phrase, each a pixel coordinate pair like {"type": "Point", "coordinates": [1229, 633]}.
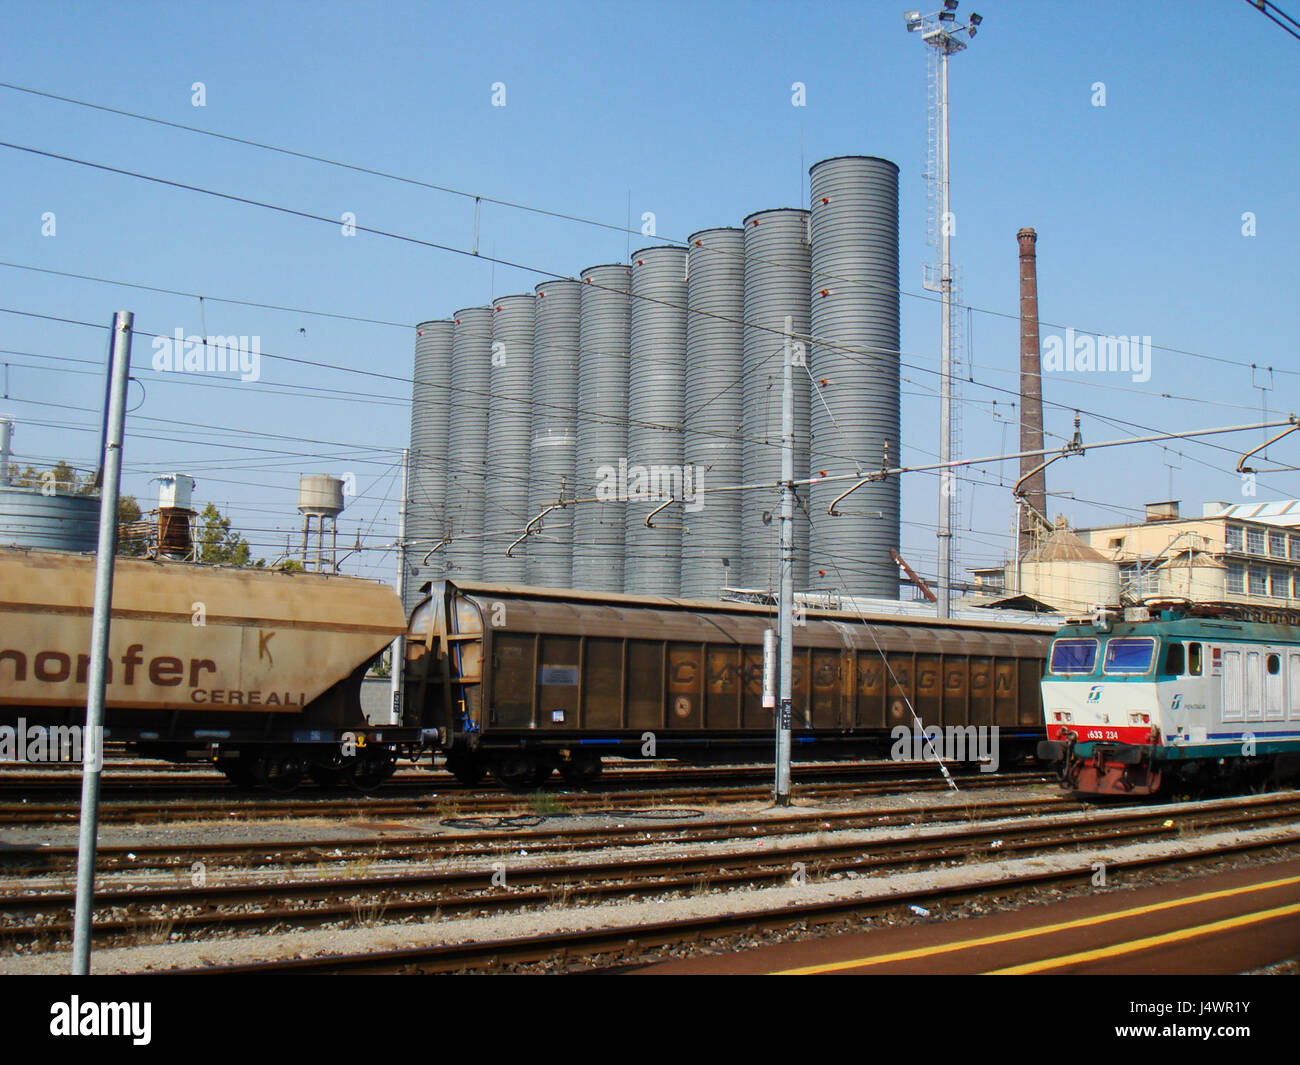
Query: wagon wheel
{"type": "Point", "coordinates": [281, 773]}
{"type": "Point", "coordinates": [520, 772]}
{"type": "Point", "coordinates": [371, 768]}
{"type": "Point", "coordinates": [583, 769]}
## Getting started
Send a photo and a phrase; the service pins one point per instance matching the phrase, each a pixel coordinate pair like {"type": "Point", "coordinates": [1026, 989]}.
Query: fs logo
{"type": "Point", "coordinates": [1094, 694]}
{"type": "Point", "coordinates": [1177, 703]}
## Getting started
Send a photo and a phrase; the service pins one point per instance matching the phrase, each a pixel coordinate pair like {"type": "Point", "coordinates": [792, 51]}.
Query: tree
{"type": "Point", "coordinates": [216, 543]}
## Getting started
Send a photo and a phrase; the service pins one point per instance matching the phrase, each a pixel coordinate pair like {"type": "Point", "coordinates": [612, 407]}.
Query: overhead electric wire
{"type": "Point", "coordinates": [565, 216]}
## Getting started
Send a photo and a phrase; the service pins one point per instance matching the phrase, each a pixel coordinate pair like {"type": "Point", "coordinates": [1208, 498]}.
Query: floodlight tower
{"type": "Point", "coordinates": [942, 34]}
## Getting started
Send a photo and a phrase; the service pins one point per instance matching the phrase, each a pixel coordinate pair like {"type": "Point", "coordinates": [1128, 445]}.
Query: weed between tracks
{"type": "Point", "coordinates": [366, 913]}
{"type": "Point", "coordinates": [545, 804]}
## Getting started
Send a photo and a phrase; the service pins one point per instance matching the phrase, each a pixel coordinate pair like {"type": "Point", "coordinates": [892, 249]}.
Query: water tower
{"type": "Point", "coordinates": [320, 496]}
{"type": "Point", "coordinates": [175, 491]}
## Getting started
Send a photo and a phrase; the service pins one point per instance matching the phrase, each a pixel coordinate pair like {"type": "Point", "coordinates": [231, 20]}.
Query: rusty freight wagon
{"type": "Point", "coordinates": [523, 681]}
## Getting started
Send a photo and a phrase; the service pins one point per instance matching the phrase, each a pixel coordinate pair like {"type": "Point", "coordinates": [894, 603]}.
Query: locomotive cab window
{"type": "Point", "coordinates": [1174, 660]}
{"type": "Point", "coordinates": [1194, 659]}
{"type": "Point", "coordinates": [1074, 656]}
{"type": "Point", "coordinates": [1129, 654]}
{"type": "Point", "coordinates": [1274, 663]}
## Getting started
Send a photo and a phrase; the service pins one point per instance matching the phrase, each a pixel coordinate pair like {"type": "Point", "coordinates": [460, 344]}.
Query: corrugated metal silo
{"type": "Point", "coordinates": [505, 505]}
{"type": "Point", "coordinates": [776, 285]}
{"type": "Point", "coordinates": [602, 426]}
{"type": "Point", "coordinates": [854, 285]}
{"type": "Point", "coordinates": [715, 340]}
{"type": "Point", "coordinates": [656, 371]}
{"type": "Point", "coordinates": [471, 383]}
{"type": "Point", "coordinates": [554, 430]}
{"type": "Point", "coordinates": [427, 481]}
{"type": "Point", "coordinates": [29, 518]}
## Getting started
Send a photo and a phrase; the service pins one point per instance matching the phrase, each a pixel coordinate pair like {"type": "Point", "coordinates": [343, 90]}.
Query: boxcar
{"type": "Point", "coordinates": [522, 681]}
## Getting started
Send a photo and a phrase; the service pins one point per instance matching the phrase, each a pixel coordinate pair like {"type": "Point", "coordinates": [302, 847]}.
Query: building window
{"type": "Point", "coordinates": [1234, 539]}
{"type": "Point", "coordinates": [1237, 578]}
{"type": "Point", "coordinates": [1255, 541]}
{"type": "Point", "coordinates": [1277, 544]}
{"type": "Point", "coordinates": [1294, 543]}
{"type": "Point", "coordinates": [1279, 583]}
{"type": "Point", "coordinates": [1258, 580]}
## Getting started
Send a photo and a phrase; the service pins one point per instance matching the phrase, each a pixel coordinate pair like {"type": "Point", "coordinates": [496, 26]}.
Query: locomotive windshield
{"type": "Point", "coordinates": [1129, 654]}
{"type": "Point", "coordinates": [1074, 656]}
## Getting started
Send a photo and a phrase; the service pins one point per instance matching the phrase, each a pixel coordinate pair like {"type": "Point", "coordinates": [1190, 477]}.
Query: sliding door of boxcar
{"type": "Point", "coordinates": [602, 683]}
{"type": "Point", "coordinates": [722, 688]}
{"type": "Point", "coordinates": [645, 684]}
{"type": "Point", "coordinates": [512, 680]}
{"type": "Point", "coordinates": [685, 685]}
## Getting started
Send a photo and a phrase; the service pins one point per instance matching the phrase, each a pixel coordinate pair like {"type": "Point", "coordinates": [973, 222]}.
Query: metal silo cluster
{"type": "Point", "coordinates": [641, 383]}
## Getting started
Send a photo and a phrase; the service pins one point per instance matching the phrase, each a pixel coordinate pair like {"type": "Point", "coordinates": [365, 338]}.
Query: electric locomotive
{"type": "Point", "coordinates": [1191, 695]}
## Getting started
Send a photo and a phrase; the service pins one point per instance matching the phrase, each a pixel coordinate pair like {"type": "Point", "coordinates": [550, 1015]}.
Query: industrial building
{"type": "Point", "coordinates": [578, 436]}
{"type": "Point", "coordinates": [1241, 553]}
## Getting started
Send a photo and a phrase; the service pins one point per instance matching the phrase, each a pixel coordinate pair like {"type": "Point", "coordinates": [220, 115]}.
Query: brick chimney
{"type": "Point", "coordinates": [1031, 386]}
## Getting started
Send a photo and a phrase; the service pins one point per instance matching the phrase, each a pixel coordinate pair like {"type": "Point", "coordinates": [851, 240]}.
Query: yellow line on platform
{"type": "Point", "coordinates": [1027, 933]}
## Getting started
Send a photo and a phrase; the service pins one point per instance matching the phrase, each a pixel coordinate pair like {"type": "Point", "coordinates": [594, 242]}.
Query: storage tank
{"type": "Point", "coordinates": [854, 366]}
{"type": "Point", "coordinates": [505, 504]}
{"type": "Point", "coordinates": [470, 389]}
{"type": "Point", "coordinates": [656, 371]}
{"type": "Point", "coordinates": [1067, 574]}
{"type": "Point", "coordinates": [776, 285]}
{"type": "Point", "coordinates": [431, 403]}
{"type": "Point", "coordinates": [554, 431]}
{"type": "Point", "coordinates": [604, 326]}
{"type": "Point", "coordinates": [57, 522]}
{"type": "Point", "coordinates": [713, 408]}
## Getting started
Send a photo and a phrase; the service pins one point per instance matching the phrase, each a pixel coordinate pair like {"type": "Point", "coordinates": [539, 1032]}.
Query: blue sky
{"type": "Point", "coordinates": [684, 110]}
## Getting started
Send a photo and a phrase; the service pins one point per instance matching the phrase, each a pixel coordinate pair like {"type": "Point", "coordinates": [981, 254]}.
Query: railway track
{"type": "Point", "coordinates": [132, 779]}
{"type": "Point", "coordinates": [139, 860]}
{"type": "Point", "coordinates": [258, 904]}
{"type": "Point", "coordinates": [624, 944]}
{"type": "Point", "coordinates": [466, 802]}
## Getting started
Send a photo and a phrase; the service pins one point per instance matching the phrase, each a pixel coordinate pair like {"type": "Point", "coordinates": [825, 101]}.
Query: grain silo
{"type": "Point", "coordinates": [656, 370]}
{"type": "Point", "coordinates": [854, 366]}
{"type": "Point", "coordinates": [554, 431]}
{"type": "Point", "coordinates": [471, 366]}
{"type": "Point", "coordinates": [776, 286]}
{"type": "Point", "coordinates": [505, 502]}
{"type": "Point", "coordinates": [714, 389]}
{"type": "Point", "coordinates": [602, 427]}
{"type": "Point", "coordinates": [427, 464]}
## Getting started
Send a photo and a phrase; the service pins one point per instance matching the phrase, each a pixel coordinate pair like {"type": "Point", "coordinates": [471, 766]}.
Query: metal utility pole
{"type": "Point", "coordinates": [92, 740]}
{"type": "Point", "coordinates": [399, 644]}
{"type": "Point", "coordinates": [940, 32]}
{"type": "Point", "coordinates": [785, 597]}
